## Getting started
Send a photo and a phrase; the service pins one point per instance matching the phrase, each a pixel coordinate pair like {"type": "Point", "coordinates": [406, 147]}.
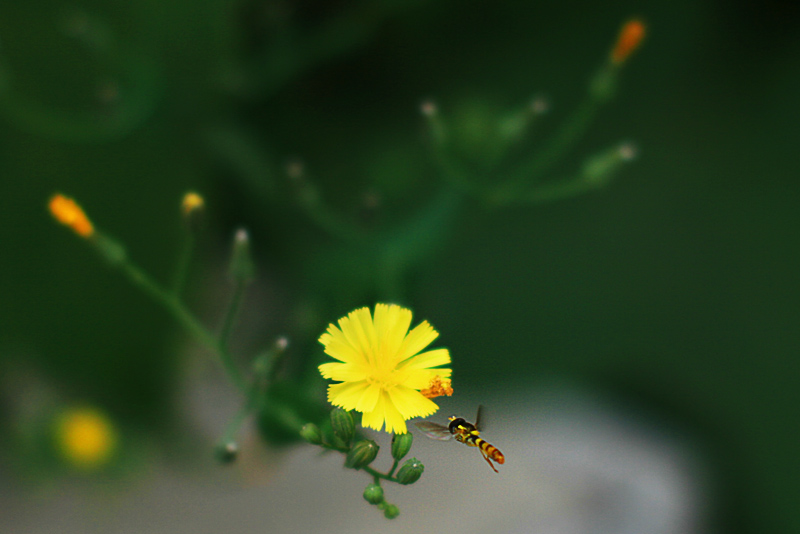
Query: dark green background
{"type": "Point", "coordinates": [674, 289]}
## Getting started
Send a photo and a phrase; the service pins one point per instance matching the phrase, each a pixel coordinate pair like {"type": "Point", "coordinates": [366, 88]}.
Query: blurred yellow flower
{"type": "Point", "coordinates": [191, 202]}
{"type": "Point", "coordinates": [85, 437]}
{"type": "Point", "coordinates": [380, 368]}
{"type": "Point", "coordinates": [68, 213]}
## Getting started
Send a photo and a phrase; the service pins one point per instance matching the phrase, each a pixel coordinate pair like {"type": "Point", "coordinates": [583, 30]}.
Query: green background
{"type": "Point", "coordinates": [674, 289]}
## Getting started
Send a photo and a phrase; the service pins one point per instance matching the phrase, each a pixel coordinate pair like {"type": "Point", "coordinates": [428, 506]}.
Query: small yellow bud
{"type": "Point", "coordinates": [191, 203]}
{"type": "Point", "coordinates": [68, 213]}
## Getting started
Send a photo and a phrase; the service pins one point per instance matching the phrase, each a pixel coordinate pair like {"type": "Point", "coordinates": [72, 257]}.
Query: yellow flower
{"type": "Point", "coordinates": [68, 213]}
{"type": "Point", "coordinates": [380, 368]}
{"type": "Point", "coordinates": [85, 437]}
{"type": "Point", "coordinates": [191, 202]}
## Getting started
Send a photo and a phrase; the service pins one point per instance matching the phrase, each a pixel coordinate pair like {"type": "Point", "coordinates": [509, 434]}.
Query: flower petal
{"type": "Point", "coordinates": [420, 337]}
{"type": "Point", "coordinates": [337, 346]}
{"type": "Point", "coordinates": [343, 372]}
{"type": "Point", "coordinates": [357, 327]}
{"type": "Point", "coordinates": [369, 398]}
{"type": "Point", "coordinates": [395, 423]}
{"type": "Point", "coordinates": [374, 418]}
{"type": "Point", "coordinates": [391, 325]}
{"type": "Point", "coordinates": [410, 402]}
{"type": "Point", "coordinates": [426, 360]}
{"type": "Point", "coordinates": [347, 394]}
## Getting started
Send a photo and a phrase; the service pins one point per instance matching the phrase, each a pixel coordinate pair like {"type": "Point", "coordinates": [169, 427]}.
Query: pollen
{"type": "Point", "coordinates": [438, 388]}
{"type": "Point", "coordinates": [630, 38]}
{"type": "Point", "coordinates": [69, 213]}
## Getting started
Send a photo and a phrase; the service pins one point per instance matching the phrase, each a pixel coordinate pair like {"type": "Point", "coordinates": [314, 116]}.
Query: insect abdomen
{"type": "Point", "coordinates": [490, 450]}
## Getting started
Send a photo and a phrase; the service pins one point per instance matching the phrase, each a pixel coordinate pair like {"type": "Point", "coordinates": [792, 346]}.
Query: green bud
{"type": "Point", "coordinates": [343, 425]}
{"type": "Point", "coordinates": [110, 249]}
{"type": "Point", "coordinates": [362, 454]}
{"type": "Point", "coordinates": [373, 494]}
{"type": "Point", "coordinates": [391, 511]}
{"type": "Point", "coordinates": [410, 471]}
{"type": "Point", "coordinates": [401, 444]}
{"type": "Point", "coordinates": [226, 453]}
{"type": "Point", "coordinates": [242, 267]}
{"type": "Point", "coordinates": [603, 85]}
{"type": "Point", "coordinates": [310, 432]}
{"type": "Point", "coordinates": [600, 168]}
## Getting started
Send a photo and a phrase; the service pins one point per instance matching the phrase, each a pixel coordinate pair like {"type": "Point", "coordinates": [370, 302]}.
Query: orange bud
{"type": "Point", "coordinates": [630, 37]}
{"type": "Point", "coordinates": [68, 213]}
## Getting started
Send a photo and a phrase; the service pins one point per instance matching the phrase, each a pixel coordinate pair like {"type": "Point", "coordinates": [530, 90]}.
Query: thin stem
{"type": "Point", "coordinates": [183, 264]}
{"type": "Point", "coordinates": [378, 474]}
{"type": "Point", "coordinates": [232, 311]}
{"type": "Point", "coordinates": [555, 191]}
{"type": "Point", "coordinates": [187, 320]}
{"type": "Point", "coordinates": [572, 129]}
{"type": "Point", "coordinates": [236, 423]}
{"type": "Point", "coordinates": [394, 466]}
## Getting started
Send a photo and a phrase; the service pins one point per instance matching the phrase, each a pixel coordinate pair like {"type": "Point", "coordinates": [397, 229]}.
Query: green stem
{"type": "Point", "coordinates": [378, 474]}
{"type": "Point", "coordinates": [394, 466]}
{"type": "Point", "coordinates": [556, 191]}
{"type": "Point", "coordinates": [183, 264]}
{"type": "Point", "coordinates": [236, 423]}
{"type": "Point", "coordinates": [572, 129]}
{"type": "Point", "coordinates": [187, 320]}
{"type": "Point", "coordinates": [232, 311]}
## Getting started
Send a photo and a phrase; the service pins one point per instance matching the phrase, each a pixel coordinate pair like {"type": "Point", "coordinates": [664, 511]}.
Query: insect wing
{"type": "Point", "coordinates": [434, 430]}
{"type": "Point", "coordinates": [479, 418]}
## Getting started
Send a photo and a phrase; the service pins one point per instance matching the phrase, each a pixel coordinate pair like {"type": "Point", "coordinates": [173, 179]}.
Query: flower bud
{"type": "Point", "coordinates": [362, 454]}
{"type": "Point", "coordinates": [70, 214]}
{"type": "Point", "coordinates": [226, 453]}
{"type": "Point", "coordinates": [343, 425]}
{"type": "Point", "coordinates": [242, 266]}
{"type": "Point", "coordinates": [310, 432]}
{"type": "Point", "coordinates": [401, 444]}
{"type": "Point", "coordinates": [600, 168]}
{"type": "Point", "coordinates": [630, 38]}
{"type": "Point", "coordinates": [373, 494]}
{"type": "Point", "coordinates": [192, 208]}
{"type": "Point", "coordinates": [391, 511]}
{"type": "Point", "coordinates": [111, 250]}
{"type": "Point", "coordinates": [410, 471]}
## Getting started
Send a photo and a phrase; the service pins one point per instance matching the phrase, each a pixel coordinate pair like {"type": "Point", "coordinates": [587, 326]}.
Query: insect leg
{"type": "Point", "coordinates": [488, 460]}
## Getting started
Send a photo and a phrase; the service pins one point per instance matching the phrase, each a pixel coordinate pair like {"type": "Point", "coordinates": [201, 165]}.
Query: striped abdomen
{"type": "Point", "coordinates": [489, 450]}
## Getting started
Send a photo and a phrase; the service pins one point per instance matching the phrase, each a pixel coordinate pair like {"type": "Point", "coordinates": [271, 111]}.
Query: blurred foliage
{"type": "Point", "coordinates": [674, 288]}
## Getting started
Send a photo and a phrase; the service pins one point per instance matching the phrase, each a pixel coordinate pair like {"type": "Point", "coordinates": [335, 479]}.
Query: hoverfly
{"type": "Point", "coordinates": [464, 432]}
